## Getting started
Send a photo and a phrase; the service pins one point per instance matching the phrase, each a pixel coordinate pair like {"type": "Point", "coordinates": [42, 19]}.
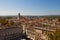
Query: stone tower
{"type": "Point", "coordinates": [19, 16]}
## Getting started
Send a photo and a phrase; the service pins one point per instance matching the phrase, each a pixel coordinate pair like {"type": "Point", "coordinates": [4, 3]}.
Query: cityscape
{"type": "Point", "coordinates": [29, 19]}
{"type": "Point", "coordinates": [29, 27]}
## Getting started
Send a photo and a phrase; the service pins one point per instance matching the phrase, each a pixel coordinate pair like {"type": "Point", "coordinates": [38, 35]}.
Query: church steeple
{"type": "Point", "coordinates": [18, 15]}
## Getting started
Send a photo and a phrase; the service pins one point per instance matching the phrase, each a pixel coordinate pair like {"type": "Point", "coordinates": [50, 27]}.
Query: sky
{"type": "Point", "coordinates": [30, 7]}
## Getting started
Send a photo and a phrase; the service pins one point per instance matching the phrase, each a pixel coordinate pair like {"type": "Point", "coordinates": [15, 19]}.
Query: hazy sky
{"type": "Point", "coordinates": [30, 7]}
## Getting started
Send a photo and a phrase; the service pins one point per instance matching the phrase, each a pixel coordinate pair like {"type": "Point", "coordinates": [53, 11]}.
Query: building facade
{"type": "Point", "coordinates": [10, 33]}
{"type": "Point", "coordinates": [37, 33]}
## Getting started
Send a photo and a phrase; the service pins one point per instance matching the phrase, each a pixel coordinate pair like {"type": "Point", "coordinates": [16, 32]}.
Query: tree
{"type": "Point", "coordinates": [10, 22]}
{"type": "Point", "coordinates": [3, 21]}
{"type": "Point", "coordinates": [55, 35]}
{"type": "Point", "coordinates": [50, 36]}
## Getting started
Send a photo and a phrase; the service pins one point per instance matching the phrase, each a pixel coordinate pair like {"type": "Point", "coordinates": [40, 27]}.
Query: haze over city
{"type": "Point", "coordinates": [29, 7]}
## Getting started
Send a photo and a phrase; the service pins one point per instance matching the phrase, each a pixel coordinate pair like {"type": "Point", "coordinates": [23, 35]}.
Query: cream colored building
{"type": "Point", "coordinates": [37, 33]}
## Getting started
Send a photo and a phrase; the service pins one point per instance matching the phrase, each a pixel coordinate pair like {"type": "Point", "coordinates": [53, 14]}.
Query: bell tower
{"type": "Point", "coordinates": [19, 16]}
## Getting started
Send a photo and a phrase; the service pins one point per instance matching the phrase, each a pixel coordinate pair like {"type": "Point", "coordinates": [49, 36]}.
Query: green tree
{"type": "Point", "coordinates": [50, 36]}
{"type": "Point", "coordinates": [10, 22]}
{"type": "Point", "coordinates": [55, 35]}
{"type": "Point", "coordinates": [3, 21]}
